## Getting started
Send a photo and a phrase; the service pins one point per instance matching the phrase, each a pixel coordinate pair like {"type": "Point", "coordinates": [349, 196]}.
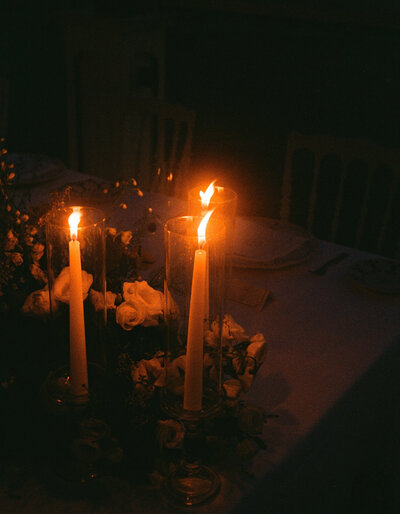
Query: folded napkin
{"type": "Point", "coordinates": [268, 244]}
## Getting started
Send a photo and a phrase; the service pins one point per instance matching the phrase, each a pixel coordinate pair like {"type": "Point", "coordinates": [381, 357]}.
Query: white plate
{"type": "Point", "coordinates": [270, 244]}
{"type": "Point", "coordinates": [380, 275]}
{"type": "Point", "coordinates": [32, 169]}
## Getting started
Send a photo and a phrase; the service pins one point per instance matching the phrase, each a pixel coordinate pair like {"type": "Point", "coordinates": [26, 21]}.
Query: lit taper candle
{"type": "Point", "coordinates": [193, 388]}
{"type": "Point", "coordinates": [77, 341]}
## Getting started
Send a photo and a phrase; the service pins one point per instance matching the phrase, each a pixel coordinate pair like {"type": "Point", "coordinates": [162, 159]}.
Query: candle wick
{"type": "Point", "coordinates": [73, 237]}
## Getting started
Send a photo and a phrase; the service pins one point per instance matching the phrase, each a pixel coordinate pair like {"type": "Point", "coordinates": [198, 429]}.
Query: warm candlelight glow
{"type": "Point", "coordinates": [207, 195]}
{"type": "Point", "coordinates": [201, 231]}
{"type": "Point", "coordinates": [73, 222]}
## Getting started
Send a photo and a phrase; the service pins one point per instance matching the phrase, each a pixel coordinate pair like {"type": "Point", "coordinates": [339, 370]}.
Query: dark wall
{"type": "Point", "coordinates": [32, 59]}
{"type": "Point", "coordinates": [251, 79]}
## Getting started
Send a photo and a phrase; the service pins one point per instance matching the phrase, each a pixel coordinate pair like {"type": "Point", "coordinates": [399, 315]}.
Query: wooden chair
{"type": "Point", "coordinates": [157, 144]}
{"type": "Point", "coordinates": [346, 191]}
{"type": "Point", "coordinates": [4, 98]}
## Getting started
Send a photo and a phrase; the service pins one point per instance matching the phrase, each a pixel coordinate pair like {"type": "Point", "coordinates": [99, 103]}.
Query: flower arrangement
{"type": "Point", "coordinates": [107, 435]}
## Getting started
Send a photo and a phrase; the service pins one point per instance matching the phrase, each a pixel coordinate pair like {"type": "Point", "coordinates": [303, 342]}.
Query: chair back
{"type": "Point", "coordinates": [108, 60]}
{"type": "Point", "coordinates": [157, 144]}
{"type": "Point", "coordinates": [343, 190]}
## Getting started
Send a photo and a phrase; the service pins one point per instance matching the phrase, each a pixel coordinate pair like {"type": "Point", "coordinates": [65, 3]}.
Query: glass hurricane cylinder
{"type": "Point", "coordinates": [76, 262]}
{"type": "Point", "coordinates": [224, 204]}
{"type": "Point", "coordinates": [193, 292]}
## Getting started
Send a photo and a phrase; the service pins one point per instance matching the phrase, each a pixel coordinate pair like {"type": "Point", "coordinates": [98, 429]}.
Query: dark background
{"type": "Point", "coordinates": [253, 71]}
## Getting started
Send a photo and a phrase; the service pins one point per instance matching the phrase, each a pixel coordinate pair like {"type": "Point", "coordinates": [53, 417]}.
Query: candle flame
{"type": "Point", "coordinates": [201, 231]}
{"type": "Point", "coordinates": [73, 221]}
{"type": "Point", "coordinates": [207, 195]}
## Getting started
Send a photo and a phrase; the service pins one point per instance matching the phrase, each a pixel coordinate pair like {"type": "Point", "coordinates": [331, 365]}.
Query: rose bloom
{"type": "Point", "coordinates": [156, 369]}
{"type": "Point", "coordinates": [97, 299]}
{"type": "Point", "coordinates": [231, 331]}
{"type": "Point", "coordinates": [139, 373]}
{"type": "Point", "coordinates": [141, 292]}
{"type": "Point", "coordinates": [37, 273]}
{"type": "Point", "coordinates": [233, 388]}
{"type": "Point", "coordinates": [129, 316]}
{"type": "Point", "coordinates": [61, 285]}
{"type": "Point", "coordinates": [111, 231]}
{"type": "Point", "coordinates": [38, 303]}
{"type": "Point", "coordinates": [125, 236]}
{"type": "Point", "coordinates": [16, 258]}
{"type": "Point", "coordinates": [257, 348]}
{"type": "Point", "coordinates": [37, 252]}
{"type": "Point", "coordinates": [11, 241]}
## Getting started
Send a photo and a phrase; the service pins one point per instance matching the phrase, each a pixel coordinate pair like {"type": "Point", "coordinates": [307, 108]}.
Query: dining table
{"type": "Point", "coordinates": [329, 383]}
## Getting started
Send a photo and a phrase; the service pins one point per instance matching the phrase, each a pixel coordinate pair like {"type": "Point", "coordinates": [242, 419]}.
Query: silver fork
{"type": "Point", "coordinates": [321, 270]}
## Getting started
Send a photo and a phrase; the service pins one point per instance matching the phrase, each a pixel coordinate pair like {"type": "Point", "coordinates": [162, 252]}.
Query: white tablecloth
{"type": "Point", "coordinates": [330, 376]}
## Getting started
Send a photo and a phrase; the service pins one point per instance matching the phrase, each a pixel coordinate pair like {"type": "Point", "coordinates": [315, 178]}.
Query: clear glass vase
{"type": "Point", "coordinates": [193, 292]}
{"type": "Point", "coordinates": [223, 202]}
{"type": "Point", "coordinates": [194, 287]}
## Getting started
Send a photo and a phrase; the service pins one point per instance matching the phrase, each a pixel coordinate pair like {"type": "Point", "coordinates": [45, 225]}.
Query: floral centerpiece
{"type": "Point", "coordinates": [126, 425]}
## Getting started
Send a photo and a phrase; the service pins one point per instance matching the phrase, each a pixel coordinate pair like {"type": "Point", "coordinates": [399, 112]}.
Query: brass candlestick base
{"type": "Point", "coordinates": [56, 391]}
{"type": "Point", "coordinates": [192, 483]}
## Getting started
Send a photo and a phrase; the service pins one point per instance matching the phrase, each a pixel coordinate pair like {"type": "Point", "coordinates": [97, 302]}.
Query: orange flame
{"type": "Point", "coordinates": [207, 195]}
{"type": "Point", "coordinates": [73, 221]}
{"type": "Point", "coordinates": [201, 231]}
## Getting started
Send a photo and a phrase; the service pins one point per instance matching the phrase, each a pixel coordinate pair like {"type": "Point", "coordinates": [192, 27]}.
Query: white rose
{"type": "Point", "coordinates": [61, 285]}
{"type": "Point", "coordinates": [156, 369]}
{"type": "Point", "coordinates": [125, 237]}
{"type": "Point", "coordinates": [11, 241]}
{"type": "Point", "coordinates": [111, 231]}
{"type": "Point", "coordinates": [257, 348]}
{"type": "Point", "coordinates": [37, 273]}
{"type": "Point", "coordinates": [231, 329]}
{"type": "Point", "coordinates": [141, 292]}
{"type": "Point", "coordinates": [37, 252]}
{"type": "Point", "coordinates": [233, 388]}
{"type": "Point", "coordinates": [97, 299]}
{"type": "Point", "coordinates": [139, 373]}
{"type": "Point", "coordinates": [128, 316]}
{"type": "Point", "coordinates": [38, 303]}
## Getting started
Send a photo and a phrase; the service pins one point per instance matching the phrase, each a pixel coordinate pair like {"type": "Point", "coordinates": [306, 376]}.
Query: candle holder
{"type": "Point", "coordinates": [76, 261]}
{"type": "Point", "coordinates": [194, 287]}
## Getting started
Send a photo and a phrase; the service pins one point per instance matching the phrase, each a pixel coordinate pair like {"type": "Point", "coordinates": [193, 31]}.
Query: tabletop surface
{"type": "Point", "coordinates": [324, 335]}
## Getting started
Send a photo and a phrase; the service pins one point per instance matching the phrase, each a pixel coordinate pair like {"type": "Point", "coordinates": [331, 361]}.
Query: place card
{"type": "Point", "coordinates": [248, 294]}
